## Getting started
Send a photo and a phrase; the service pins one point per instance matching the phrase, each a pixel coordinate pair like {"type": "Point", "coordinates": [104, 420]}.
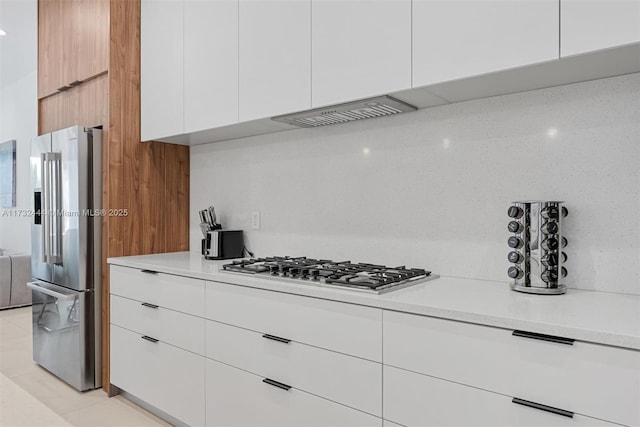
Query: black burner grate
{"type": "Point", "coordinates": [337, 273]}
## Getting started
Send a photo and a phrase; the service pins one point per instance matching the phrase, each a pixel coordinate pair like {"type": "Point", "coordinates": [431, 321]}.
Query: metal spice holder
{"type": "Point", "coordinates": [536, 247]}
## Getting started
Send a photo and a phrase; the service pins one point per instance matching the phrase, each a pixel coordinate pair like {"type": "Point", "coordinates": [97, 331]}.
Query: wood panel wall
{"type": "Point", "coordinates": [150, 180]}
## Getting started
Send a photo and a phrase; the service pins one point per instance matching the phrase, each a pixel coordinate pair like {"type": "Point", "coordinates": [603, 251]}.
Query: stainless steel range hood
{"type": "Point", "coordinates": [379, 106]}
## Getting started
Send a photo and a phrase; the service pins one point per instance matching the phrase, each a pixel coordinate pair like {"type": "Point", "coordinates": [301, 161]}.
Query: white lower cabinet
{"type": "Point", "coordinates": [233, 356]}
{"type": "Point", "coordinates": [345, 328]}
{"type": "Point", "coordinates": [167, 377]}
{"type": "Point", "coordinates": [166, 325]}
{"type": "Point", "coordinates": [416, 400]}
{"type": "Point", "coordinates": [236, 398]}
{"type": "Point", "coordinates": [339, 377]}
{"type": "Point", "coordinates": [596, 380]}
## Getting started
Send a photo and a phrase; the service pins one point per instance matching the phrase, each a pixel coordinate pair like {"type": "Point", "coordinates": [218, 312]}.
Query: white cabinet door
{"type": "Point", "coordinates": [161, 73]}
{"type": "Point", "coordinates": [275, 57]}
{"type": "Point", "coordinates": [589, 25]}
{"type": "Point", "coordinates": [210, 64]}
{"type": "Point", "coordinates": [166, 290]}
{"type": "Point", "coordinates": [360, 48]}
{"type": "Point", "coordinates": [577, 377]}
{"type": "Point", "coordinates": [169, 378]}
{"type": "Point", "coordinates": [240, 399]}
{"type": "Point", "coordinates": [456, 39]}
{"type": "Point", "coordinates": [352, 381]}
{"type": "Point", "coordinates": [416, 400]}
{"type": "Point", "coordinates": [169, 326]}
{"type": "Point", "coordinates": [327, 324]}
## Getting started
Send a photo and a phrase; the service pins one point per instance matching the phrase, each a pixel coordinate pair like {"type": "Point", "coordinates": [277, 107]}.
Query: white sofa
{"type": "Point", "coordinates": [15, 272]}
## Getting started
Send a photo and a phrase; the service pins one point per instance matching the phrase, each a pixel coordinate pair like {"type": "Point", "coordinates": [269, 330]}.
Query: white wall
{"type": "Point", "coordinates": [18, 108]}
{"type": "Point", "coordinates": [431, 188]}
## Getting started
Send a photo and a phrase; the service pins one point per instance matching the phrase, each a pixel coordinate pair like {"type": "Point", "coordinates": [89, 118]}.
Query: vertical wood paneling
{"type": "Point", "coordinates": [50, 45]}
{"type": "Point", "coordinates": [177, 198]}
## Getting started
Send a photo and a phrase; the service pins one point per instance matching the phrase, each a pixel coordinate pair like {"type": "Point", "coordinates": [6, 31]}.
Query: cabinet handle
{"type": "Point", "coordinates": [63, 88]}
{"type": "Point", "coordinates": [148, 338]}
{"type": "Point", "coordinates": [149, 271]}
{"type": "Point", "coordinates": [276, 384]}
{"type": "Point", "coordinates": [275, 338]}
{"type": "Point", "coordinates": [542, 407]}
{"type": "Point", "coordinates": [146, 304]}
{"type": "Point", "coordinates": [543, 337]}
{"type": "Point", "coordinates": [75, 83]}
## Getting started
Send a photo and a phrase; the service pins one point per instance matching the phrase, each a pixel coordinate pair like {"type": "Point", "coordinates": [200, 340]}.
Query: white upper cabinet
{"type": "Point", "coordinates": [210, 64]}
{"type": "Point", "coordinates": [161, 74]}
{"type": "Point", "coordinates": [589, 25]}
{"type": "Point", "coordinates": [456, 39]}
{"type": "Point", "coordinates": [360, 48]}
{"type": "Point", "coordinates": [275, 57]}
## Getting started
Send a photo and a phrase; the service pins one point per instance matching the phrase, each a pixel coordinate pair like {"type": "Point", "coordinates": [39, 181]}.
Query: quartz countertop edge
{"type": "Point", "coordinates": [591, 316]}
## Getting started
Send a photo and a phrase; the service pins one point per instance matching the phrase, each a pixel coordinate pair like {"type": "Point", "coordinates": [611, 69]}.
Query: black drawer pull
{"type": "Point", "coordinates": [275, 338]}
{"type": "Point", "coordinates": [543, 337]}
{"type": "Point", "coordinates": [146, 304]}
{"type": "Point", "coordinates": [149, 271]}
{"type": "Point", "coordinates": [276, 384]}
{"type": "Point", "coordinates": [542, 407]}
{"type": "Point", "coordinates": [148, 338]}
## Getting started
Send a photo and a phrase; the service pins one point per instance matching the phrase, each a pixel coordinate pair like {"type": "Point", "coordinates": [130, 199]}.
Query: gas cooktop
{"type": "Point", "coordinates": [369, 278]}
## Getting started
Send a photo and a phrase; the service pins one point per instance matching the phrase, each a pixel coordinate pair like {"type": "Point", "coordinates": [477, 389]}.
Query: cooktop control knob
{"type": "Point", "coordinates": [515, 227]}
{"type": "Point", "coordinates": [565, 242]}
{"type": "Point", "coordinates": [550, 228]}
{"type": "Point", "coordinates": [515, 212]}
{"type": "Point", "coordinates": [564, 257]}
{"type": "Point", "coordinates": [515, 257]}
{"type": "Point", "coordinates": [565, 212]}
{"type": "Point", "coordinates": [550, 212]}
{"type": "Point", "coordinates": [515, 273]}
{"type": "Point", "coordinates": [514, 242]}
{"type": "Point", "coordinates": [550, 244]}
{"type": "Point", "coordinates": [563, 272]}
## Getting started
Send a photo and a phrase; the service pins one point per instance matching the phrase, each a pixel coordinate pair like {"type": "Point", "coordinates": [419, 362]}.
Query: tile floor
{"type": "Point", "coordinates": [32, 397]}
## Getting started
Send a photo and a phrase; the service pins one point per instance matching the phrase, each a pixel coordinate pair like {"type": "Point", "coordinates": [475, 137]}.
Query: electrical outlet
{"type": "Point", "coordinates": [255, 220]}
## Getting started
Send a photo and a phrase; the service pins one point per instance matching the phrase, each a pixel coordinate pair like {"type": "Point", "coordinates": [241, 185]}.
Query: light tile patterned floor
{"type": "Point", "coordinates": [32, 397]}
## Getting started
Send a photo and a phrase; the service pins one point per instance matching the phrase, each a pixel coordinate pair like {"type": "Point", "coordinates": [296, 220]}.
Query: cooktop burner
{"type": "Point", "coordinates": [342, 274]}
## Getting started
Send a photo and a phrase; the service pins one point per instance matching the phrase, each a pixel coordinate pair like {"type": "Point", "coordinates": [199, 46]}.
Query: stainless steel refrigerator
{"type": "Point", "coordinates": [66, 184]}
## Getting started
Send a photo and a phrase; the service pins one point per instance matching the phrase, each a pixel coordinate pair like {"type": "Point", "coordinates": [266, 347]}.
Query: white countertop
{"type": "Point", "coordinates": [598, 317]}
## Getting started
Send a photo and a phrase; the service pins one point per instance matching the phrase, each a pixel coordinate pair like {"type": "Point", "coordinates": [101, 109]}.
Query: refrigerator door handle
{"type": "Point", "coordinates": [34, 286]}
{"type": "Point", "coordinates": [51, 173]}
{"type": "Point", "coordinates": [45, 207]}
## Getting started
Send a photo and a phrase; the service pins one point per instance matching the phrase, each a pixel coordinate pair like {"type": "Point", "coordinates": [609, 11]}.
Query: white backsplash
{"type": "Point", "coordinates": [431, 188]}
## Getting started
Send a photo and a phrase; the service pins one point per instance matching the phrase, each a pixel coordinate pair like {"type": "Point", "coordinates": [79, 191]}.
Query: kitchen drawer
{"type": "Point", "coordinates": [347, 328]}
{"type": "Point", "coordinates": [591, 379]}
{"type": "Point", "coordinates": [172, 327]}
{"type": "Point", "coordinates": [240, 399]}
{"type": "Point", "coordinates": [346, 379]}
{"type": "Point", "coordinates": [416, 400]}
{"type": "Point", "coordinates": [164, 376]}
{"type": "Point", "coordinates": [174, 292]}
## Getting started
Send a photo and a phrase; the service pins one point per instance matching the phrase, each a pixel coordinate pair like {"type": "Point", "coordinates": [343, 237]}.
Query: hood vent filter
{"type": "Point", "coordinates": [364, 109]}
